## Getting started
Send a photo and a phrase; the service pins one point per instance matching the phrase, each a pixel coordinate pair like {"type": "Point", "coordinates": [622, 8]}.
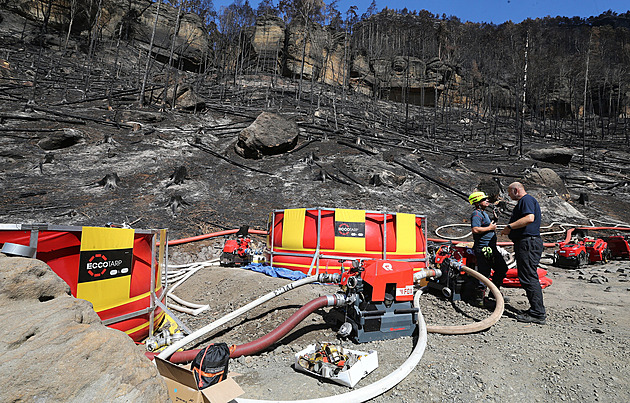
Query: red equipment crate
{"type": "Point", "coordinates": [619, 247]}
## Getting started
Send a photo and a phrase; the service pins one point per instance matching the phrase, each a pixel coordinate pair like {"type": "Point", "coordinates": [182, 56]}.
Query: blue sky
{"type": "Point", "coordinates": [495, 11]}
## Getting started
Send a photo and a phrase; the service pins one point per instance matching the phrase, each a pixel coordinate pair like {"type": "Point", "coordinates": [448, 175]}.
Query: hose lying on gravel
{"type": "Point", "coordinates": [381, 386]}
{"type": "Point", "coordinates": [477, 326]}
{"type": "Point", "coordinates": [267, 340]}
{"type": "Point", "coordinates": [208, 328]}
{"type": "Point", "coordinates": [359, 395]}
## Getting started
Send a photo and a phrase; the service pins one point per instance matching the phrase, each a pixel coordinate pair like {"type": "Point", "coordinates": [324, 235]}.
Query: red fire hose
{"type": "Point", "coordinates": [213, 235]}
{"type": "Point", "coordinates": [261, 232]}
{"type": "Point", "coordinates": [265, 341]}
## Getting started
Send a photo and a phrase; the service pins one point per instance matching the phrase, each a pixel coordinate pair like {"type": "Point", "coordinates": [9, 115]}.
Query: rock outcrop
{"type": "Point", "coordinates": [131, 20]}
{"type": "Point", "coordinates": [267, 41]}
{"type": "Point", "coordinates": [55, 348]}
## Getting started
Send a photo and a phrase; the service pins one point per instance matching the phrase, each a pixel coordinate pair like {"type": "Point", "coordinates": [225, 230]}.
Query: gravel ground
{"type": "Point", "coordinates": [581, 354]}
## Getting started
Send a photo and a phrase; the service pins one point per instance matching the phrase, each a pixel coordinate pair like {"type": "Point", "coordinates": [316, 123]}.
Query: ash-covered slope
{"type": "Point", "coordinates": [77, 148]}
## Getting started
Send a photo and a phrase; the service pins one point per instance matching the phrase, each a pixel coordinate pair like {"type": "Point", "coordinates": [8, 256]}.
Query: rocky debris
{"type": "Point", "coordinates": [269, 134]}
{"type": "Point", "coordinates": [55, 348]}
{"type": "Point", "coordinates": [554, 155]}
{"type": "Point", "coordinates": [598, 279]}
{"type": "Point", "coordinates": [387, 178]}
{"type": "Point", "coordinates": [181, 96]}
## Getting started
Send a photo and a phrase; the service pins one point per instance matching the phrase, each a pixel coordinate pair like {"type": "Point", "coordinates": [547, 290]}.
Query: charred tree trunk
{"type": "Point", "coordinates": [147, 67]}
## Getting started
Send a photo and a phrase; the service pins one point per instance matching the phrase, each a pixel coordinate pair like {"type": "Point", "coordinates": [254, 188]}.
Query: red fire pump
{"type": "Point", "coordinates": [575, 254]}
{"type": "Point", "coordinates": [381, 295]}
{"type": "Point", "coordinates": [571, 254]}
{"type": "Point", "coordinates": [237, 252]}
{"type": "Point", "coordinates": [597, 250]}
{"type": "Point", "coordinates": [453, 282]}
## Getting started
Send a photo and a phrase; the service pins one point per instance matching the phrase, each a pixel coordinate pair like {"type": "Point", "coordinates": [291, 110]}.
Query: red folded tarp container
{"type": "Point", "coordinates": [315, 240]}
{"type": "Point", "coordinates": [511, 278]}
{"type": "Point", "coordinates": [110, 267]}
{"type": "Point", "coordinates": [513, 282]}
{"type": "Point", "coordinates": [619, 246]}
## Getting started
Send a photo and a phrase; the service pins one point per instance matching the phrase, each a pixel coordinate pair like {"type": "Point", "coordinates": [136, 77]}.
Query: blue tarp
{"type": "Point", "coordinates": [275, 271]}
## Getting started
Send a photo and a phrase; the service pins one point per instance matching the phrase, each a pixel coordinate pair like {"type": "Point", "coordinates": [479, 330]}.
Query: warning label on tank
{"type": "Point", "coordinates": [350, 229]}
{"type": "Point", "coordinates": [99, 265]}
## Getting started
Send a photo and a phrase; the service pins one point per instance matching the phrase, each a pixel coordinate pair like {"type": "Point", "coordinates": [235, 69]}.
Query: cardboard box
{"type": "Point", "coordinates": [182, 386]}
{"type": "Point", "coordinates": [367, 363]}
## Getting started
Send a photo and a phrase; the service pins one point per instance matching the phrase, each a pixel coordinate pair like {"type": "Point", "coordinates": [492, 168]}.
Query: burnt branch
{"type": "Point", "coordinates": [204, 148]}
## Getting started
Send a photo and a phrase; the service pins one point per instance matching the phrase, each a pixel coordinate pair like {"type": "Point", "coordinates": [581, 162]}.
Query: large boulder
{"type": "Point", "coordinates": [55, 348]}
{"type": "Point", "coordinates": [270, 134]}
{"type": "Point", "coordinates": [554, 155]}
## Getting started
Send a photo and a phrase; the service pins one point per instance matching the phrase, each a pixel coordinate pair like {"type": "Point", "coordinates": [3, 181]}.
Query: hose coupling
{"type": "Point", "coordinates": [329, 278]}
{"type": "Point", "coordinates": [162, 339]}
{"type": "Point", "coordinates": [453, 264]}
{"type": "Point", "coordinates": [424, 273]}
{"type": "Point", "coordinates": [341, 299]}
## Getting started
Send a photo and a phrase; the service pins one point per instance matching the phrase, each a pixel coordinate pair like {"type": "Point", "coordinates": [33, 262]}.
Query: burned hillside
{"type": "Point", "coordinates": [90, 158]}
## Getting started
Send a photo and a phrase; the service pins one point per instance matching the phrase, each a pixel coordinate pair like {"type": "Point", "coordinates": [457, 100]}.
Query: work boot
{"type": "Point", "coordinates": [478, 299]}
{"type": "Point", "coordinates": [526, 317]}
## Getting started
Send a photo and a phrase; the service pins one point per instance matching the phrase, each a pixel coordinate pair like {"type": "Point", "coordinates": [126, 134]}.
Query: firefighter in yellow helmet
{"type": "Point", "coordinates": [488, 257]}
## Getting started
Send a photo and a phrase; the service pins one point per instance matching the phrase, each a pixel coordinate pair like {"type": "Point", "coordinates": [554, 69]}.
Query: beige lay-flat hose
{"type": "Point", "coordinates": [477, 326]}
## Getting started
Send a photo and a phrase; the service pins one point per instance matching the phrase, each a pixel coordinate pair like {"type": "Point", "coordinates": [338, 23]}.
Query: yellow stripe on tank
{"type": "Point", "coordinates": [107, 293]}
{"type": "Point", "coordinates": [293, 229]}
{"type": "Point", "coordinates": [96, 238]}
{"type": "Point", "coordinates": [405, 233]}
{"type": "Point", "coordinates": [158, 318]}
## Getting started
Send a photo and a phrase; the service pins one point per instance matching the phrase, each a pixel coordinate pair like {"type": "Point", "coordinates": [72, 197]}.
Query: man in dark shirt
{"type": "Point", "coordinates": [485, 247]}
{"type": "Point", "coordinates": [524, 231]}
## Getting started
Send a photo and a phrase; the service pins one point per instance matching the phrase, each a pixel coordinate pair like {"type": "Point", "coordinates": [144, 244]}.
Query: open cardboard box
{"type": "Point", "coordinates": [367, 362]}
{"type": "Point", "coordinates": [182, 386]}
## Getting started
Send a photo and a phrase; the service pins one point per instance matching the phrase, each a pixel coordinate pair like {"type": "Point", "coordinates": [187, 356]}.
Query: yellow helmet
{"type": "Point", "coordinates": [476, 197]}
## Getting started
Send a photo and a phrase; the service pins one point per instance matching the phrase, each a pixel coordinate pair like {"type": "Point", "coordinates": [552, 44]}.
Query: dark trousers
{"type": "Point", "coordinates": [494, 263]}
{"type": "Point", "coordinates": [527, 252]}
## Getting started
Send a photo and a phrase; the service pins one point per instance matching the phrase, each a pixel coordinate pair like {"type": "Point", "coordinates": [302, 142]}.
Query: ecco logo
{"type": "Point", "coordinates": [98, 264]}
{"type": "Point", "coordinates": [345, 229]}
{"type": "Point", "coordinates": [97, 261]}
